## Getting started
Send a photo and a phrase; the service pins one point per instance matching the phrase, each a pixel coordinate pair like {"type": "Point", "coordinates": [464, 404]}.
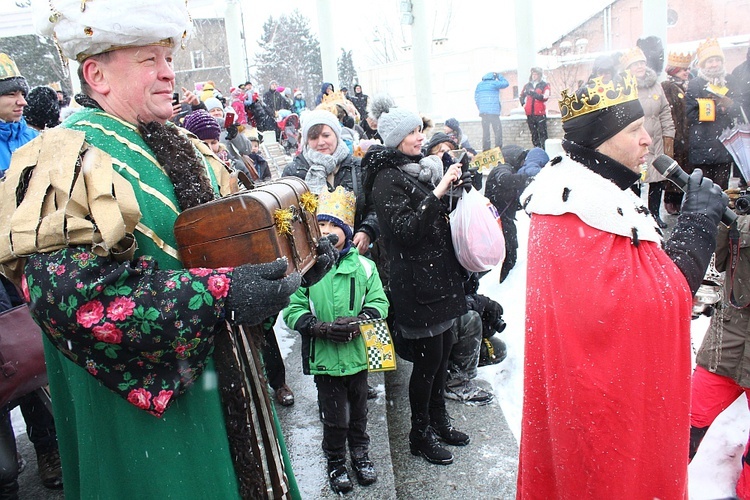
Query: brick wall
{"type": "Point", "coordinates": [515, 131]}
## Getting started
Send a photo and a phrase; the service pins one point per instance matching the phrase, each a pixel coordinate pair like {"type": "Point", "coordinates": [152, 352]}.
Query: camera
{"type": "Point", "coordinates": [742, 203]}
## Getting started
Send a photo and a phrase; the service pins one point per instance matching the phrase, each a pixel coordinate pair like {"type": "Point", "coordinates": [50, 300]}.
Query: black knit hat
{"type": "Point", "coordinates": [43, 109]}
{"type": "Point", "coordinates": [439, 138]}
{"type": "Point", "coordinates": [11, 79]}
{"type": "Point", "coordinates": [14, 84]}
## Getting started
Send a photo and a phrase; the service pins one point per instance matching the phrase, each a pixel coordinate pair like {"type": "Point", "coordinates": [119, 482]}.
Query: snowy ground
{"type": "Point", "coordinates": [714, 471]}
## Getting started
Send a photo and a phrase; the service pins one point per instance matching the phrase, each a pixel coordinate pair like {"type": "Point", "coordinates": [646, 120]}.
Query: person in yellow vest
{"type": "Point", "coordinates": [709, 111]}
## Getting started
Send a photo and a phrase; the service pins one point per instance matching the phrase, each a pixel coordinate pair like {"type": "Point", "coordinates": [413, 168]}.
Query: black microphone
{"type": "Point", "coordinates": [672, 171]}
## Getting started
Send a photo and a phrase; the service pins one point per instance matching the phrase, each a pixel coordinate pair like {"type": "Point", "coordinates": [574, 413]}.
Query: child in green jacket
{"type": "Point", "coordinates": [328, 315]}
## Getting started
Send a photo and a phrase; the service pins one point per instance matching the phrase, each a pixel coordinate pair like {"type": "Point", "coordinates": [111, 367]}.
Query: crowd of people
{"type": "Point", "coordinates": [131, 334]}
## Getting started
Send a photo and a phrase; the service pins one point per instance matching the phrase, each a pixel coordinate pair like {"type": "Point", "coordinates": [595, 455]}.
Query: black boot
{"type": "Point", "coordinates": [441, 423]}
{"type": "Point", "coordinates": [363, 467]}
{"type": "Point", "coordinates": [424, 442]}
{"type": "Point", "coordinates": [338, 476]}
{"type": "Point", "coordinates": [696, 436]}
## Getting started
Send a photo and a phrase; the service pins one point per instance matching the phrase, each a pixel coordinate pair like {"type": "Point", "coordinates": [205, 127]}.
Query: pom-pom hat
{"type": "Point", "coordinates": [84, 28]}
{"type": "Point", "coordinates": [395, 124]}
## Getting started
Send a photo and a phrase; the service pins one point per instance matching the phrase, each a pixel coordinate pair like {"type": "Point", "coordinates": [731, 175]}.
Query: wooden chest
{"type": "Point", "coordinates": [274, 219]}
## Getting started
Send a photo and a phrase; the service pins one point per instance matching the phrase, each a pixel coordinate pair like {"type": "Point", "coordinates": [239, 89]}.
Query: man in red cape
{"type": "Point", "coordinates": [607, 359]}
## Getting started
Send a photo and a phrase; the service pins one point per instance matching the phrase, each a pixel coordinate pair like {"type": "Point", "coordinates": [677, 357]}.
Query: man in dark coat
{"type": "Point", "coordinates": [360, 101]}
{"type": "Point", "coordinates": [273, 98]}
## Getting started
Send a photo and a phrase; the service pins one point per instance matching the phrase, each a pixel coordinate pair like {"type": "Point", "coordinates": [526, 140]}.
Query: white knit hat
{"type": "Point", "coordinates": [213, 103]}
{"type": "Point", "coordinates": [395, 124]}
{"type": "Point", "coordinates": [86, 28]}
{"type": "Point", "coordinates": [320, 117]}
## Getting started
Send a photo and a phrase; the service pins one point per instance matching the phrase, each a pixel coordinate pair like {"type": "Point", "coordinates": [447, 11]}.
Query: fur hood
{"type": "Point", "coordinates": [648, 80]}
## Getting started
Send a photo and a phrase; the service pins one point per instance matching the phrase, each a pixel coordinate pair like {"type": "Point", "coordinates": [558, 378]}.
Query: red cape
{"type": "Point", "coordinates": [607, 367]}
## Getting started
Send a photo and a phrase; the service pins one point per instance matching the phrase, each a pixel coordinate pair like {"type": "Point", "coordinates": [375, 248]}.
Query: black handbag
{"type": "Point", "coordinates": [22, 367]}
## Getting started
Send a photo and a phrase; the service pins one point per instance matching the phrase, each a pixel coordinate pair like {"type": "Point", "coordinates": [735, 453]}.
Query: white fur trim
{"type": "Point", "coordinates": [597, 201]}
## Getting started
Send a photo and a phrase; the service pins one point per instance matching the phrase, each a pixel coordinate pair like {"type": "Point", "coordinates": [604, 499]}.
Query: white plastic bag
{"type": "Point", "coordinates": [477, 233]}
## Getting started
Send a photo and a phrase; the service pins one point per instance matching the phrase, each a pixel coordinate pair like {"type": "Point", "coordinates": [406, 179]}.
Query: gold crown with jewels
{"type": "Point", "coordinates": [597, 95]}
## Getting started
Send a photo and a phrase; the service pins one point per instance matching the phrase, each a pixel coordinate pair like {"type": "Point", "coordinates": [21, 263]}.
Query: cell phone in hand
{"type": "Point", "coordinates": [229, 120]}
{"type": "Point", "coordinates": [176, 99]}
{"type": "Point", "coordinates": [459, 156]}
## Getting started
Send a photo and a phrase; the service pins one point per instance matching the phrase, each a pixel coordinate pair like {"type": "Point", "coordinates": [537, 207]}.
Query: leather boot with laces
{"type": "Point", "coordinates": [50, 471]}
{"type": "Point", "coordinates": [338, 476]}
{"type": "Point", "coordinates": [424, 443]}
{"type": "Point", "coordinates": [363, 467]}
{"type": "Point", "coordinates": [441, 423]}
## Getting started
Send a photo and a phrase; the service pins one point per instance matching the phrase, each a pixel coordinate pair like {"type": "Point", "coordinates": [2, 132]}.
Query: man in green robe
{"type": "Point", "coordinates": [151, 398]}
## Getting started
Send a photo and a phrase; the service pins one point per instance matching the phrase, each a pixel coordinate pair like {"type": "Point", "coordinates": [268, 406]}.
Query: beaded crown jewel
{"type": "Point", "coordinates": [597, 95]}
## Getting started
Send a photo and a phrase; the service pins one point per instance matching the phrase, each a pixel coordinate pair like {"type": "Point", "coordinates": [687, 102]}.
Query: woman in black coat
{"type": "Point", "coordinates": [325, 162]}
{"type": "Point", "coordinates": [408, 191]}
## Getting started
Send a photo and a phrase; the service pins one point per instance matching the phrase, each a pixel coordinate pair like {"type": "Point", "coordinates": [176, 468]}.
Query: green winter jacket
{"type": "Point", "coordinates": [352, 287]}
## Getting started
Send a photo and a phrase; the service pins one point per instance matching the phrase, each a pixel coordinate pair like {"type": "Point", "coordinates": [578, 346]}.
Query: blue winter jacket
{"type": "Point", "coordinates": [486, 95]}
{"type": "Point", "coordinates": [535, 160]}
{"type": "Point", "coordinates": [13, 135]}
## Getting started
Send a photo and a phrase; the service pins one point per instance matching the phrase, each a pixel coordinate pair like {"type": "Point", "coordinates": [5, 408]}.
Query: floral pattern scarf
{"type": "Point", "coordinates": [145, 335]}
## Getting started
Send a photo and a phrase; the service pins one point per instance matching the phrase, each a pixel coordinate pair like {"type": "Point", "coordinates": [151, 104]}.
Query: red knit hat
{"type": "Point", "coordinates": [203, 125]}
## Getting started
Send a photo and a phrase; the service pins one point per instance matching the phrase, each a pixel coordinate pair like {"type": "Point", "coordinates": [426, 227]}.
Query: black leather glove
{"type": "Point", "coordinates": [492, 318]}
{"type": "Point", "coordinates": [327, 255]}
{"type": "Point", "coordinates": [340, 330]}
{"type": "Point", "coordinates": [704, 197]}
{"type": "Point", "coordinates": [232, 131]}
{"type": "Point", "coordinates": [258, 291]}
{"type": "Point", "coordinates": [476, 302]}
{"type": "Point", "coordinates": [465, 181]}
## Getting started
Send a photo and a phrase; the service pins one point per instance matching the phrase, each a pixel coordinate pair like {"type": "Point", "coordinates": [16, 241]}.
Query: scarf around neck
{"type": "Point", "coordinates": [322, 165]}
{"type": "Point", "coordinates": [428, 170]}
{"type": "Point", "coordinates": [718, 77]}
